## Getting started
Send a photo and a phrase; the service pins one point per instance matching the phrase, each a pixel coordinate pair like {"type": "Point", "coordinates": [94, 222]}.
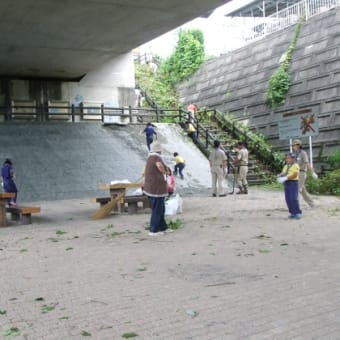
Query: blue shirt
{"type": "Point", "coordinates": [6, 172]}
{"type": "Point", "coordinates": [149, 131]}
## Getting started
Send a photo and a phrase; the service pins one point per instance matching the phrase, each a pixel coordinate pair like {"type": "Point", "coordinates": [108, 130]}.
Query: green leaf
{"type": "Point", "coordinates": [85, 333]}
{"type": "Point", "coordinates": [129, 335]}
{"type": "Point", "coordinates": [262, 236]}
{"type": "Point", "coordinates": [47, 308]}
{"type": "Point", "coordinates": [264, 251]}
{"type": "Point", "coordinates": [10, 332]}
{"type": "Point", "coordinates": [64, 318]}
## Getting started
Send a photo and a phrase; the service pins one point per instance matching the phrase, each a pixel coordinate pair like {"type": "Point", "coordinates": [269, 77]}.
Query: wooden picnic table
{"type": "Point", "coordinates": [117, 189]}
{"type": "Point", "coordinates": [4, 196]}
{"type": "Point", "coordinates": [119, 186]}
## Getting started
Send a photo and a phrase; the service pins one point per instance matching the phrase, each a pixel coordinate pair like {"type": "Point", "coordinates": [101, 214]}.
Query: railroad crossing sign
{"type": "Point", "coordinates": [299, 123]}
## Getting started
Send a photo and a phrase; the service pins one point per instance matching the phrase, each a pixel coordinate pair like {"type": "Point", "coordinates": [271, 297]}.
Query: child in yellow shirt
{"type": "Point", "coordinates": [180, 165]}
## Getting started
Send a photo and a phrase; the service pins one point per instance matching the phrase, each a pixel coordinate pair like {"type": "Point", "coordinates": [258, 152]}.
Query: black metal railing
{"type": "Point", "coordinates": [105, 114]}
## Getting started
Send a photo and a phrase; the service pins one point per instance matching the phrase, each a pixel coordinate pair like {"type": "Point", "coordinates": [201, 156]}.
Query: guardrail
{"type": "Point", "coordinates": [105, 114]}
{"type": "Point", "coordinates": [289, 16]}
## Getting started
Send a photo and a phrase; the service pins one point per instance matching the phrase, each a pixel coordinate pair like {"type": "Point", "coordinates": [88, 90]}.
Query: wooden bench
{"type": "Point", "coordinates": [131, 201]}
{"type": "Point", "coordinates": [22, 214]}
{"type": "Point", "coordinates": [101, 200]}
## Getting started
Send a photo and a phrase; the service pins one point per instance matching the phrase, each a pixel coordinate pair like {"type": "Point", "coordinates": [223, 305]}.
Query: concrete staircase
{"type": "Point", "coordinates": [257, 171]}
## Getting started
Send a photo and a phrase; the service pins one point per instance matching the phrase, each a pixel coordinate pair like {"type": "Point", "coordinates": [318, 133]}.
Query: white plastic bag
{"type": "Point", "coordinates": [173, 205]}
{"type": "Point", "coordinates": [180, 204]}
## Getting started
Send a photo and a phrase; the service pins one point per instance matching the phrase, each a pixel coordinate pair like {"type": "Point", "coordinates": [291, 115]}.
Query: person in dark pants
{"type": "Point", "coordinates": [7, 174]}
{"type": "Point", "coordinates": [156, 188]}
{"type": "Point", "coordinates": [192, 133]}
{"type": "Point", "coordinates": [149, 133]}
{"type": "Point", "coordinates": [179, 166]}
{"type": "Point", "coordinates": [290, 177]}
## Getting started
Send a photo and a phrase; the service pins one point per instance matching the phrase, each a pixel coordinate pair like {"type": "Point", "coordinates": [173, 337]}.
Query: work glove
{"type": "Point", "coordinates": [225, 171]}
{"type": "Point", "coordinates": [315, 175]}
{"type": "Point", "coordinates": [282, 179]}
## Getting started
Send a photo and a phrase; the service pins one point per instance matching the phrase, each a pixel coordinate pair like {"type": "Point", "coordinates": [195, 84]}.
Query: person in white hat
{"type": "Point", "coordinates": [156, 188]}
{"type": "Point", "coordinates": [303, 161]}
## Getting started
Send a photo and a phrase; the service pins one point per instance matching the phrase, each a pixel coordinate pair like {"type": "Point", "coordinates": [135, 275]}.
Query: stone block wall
{"type": "Point", "coordinates": [237, 83]}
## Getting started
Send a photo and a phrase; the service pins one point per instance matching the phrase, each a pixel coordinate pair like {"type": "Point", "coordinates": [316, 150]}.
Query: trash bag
{"type": "Point", "coordinates": [173, 205]}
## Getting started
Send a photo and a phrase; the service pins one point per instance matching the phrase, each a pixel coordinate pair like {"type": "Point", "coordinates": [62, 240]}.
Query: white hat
{"type": "Point", "coordinates": [155, 147]}
{"type": "Point", "coordinates": [297, 142]}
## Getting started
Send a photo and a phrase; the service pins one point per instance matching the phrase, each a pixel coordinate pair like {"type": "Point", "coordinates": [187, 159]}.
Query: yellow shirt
{"type": "Point", "coordinates": [179, 159]}
{"type": "Point", "coordinates": [191, 128]}
{"type": "Point", "coordinates": [292, 171]}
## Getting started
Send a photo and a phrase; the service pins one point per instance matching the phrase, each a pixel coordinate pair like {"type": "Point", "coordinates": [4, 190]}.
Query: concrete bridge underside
{"type": "Point", "coordinates": [66, 39]}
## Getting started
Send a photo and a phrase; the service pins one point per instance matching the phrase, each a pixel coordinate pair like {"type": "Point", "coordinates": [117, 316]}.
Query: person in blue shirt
{"type": "Point", "coordinates": [149, 133]}
{"type": "Point", "coordinates": [7, 175]}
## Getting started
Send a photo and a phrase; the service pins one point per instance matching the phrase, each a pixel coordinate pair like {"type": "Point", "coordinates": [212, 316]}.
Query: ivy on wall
{"type": "Point", "coordinates": [279, 83]}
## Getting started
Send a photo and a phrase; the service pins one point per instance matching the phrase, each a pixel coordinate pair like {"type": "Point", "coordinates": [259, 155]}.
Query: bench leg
{"type": "Point", "coordinates": [26, 219]}
{"type": "Point", "coordinates": [15, 217]}
{"type": "Point", "coordinates": [132, 208]}
{"type": "Point", "coordinates": [3, 220]}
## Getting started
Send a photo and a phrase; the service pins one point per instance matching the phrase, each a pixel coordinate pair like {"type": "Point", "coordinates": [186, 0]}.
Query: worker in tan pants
{"type": "Point", "coordinates": [303, 161]}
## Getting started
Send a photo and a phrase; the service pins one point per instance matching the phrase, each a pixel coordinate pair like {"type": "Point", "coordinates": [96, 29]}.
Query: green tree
{"type": "Point", "coordinates": [186, 59]}
{"type": "Point", "coordinates": [279, 82]}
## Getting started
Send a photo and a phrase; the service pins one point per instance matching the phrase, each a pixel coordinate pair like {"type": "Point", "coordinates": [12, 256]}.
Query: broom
{"type": "Point", "coordinates": [107, 208]}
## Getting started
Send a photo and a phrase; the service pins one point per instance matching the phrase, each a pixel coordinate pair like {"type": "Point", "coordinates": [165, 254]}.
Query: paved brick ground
{"type": "Point", "coordinates": [237, 269]}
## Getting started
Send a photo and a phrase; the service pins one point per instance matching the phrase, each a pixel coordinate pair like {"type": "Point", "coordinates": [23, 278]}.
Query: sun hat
{"type": "Point", "coordinates": [155, 147]}
{"type": "Point", "coordinates": [297, 142]}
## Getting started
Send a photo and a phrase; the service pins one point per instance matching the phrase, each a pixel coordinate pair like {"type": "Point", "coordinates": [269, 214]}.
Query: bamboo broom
{"type": "Point", "coordinates": [105, 210]}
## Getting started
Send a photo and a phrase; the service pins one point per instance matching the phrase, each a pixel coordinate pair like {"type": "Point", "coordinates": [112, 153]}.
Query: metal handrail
{"type": "Point", "coordinates": [289, 16]}
{"type": "Point", "coordinates": [73, 113]}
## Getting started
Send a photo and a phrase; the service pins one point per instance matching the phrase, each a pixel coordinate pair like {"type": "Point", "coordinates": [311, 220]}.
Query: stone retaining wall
{"type": "Point", "coordinates": [237, 83]}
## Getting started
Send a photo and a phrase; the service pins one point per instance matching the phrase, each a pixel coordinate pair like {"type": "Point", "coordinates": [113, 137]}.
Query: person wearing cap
{"type": "Point", "coordinates": [303, 161]}
{"type": "Point", "coordinates": [218, 167]}
{"type": "Point", "coordinates": [7, 174]}
{"type": "Point", "coordinates": [290, 178]}
{"type": "Point", "coordinates": [156, 188]}
{"type": "Point", "coordinates": [241, 162]}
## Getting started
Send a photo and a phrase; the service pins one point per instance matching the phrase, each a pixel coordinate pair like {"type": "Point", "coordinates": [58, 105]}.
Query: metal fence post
{"type": "Point", "coordinates": [102, 112]}
{"type": "Point", "coordinates": [206, 138]}
{"type": "Point", "coordinates": [130, 114]}
{"type": "Point", "coordinates": [157, 114]}
{"type": "Point", "coordinates": [72, 113]}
